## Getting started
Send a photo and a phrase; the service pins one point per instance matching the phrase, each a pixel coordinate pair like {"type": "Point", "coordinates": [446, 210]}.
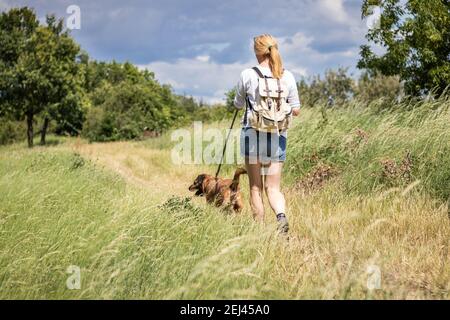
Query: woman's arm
{"type": "Point", "coordinates": [241, 93]}
{"type": "Point", "coordinates": [293, 98]}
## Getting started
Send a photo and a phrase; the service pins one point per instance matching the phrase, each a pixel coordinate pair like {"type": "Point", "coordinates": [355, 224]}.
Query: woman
{"type": "Point", "coordinates": [265, 152]}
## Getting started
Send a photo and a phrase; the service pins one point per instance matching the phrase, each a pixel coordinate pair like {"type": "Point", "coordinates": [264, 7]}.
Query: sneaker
{"type": "Point", "coordinates": [283, 225]}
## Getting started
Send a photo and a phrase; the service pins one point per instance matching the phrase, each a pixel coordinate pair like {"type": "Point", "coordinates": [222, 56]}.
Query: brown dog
{"type": "Point", "coordinates": [221, 192]}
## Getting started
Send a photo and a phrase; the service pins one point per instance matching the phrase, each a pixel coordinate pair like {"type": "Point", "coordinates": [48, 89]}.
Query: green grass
{"type": "Point", "coordinates": [59, 210]}
{"type": "Point", "coordinates": [356, 140]}
{"type": "Point", "coordinates": [121, 213]}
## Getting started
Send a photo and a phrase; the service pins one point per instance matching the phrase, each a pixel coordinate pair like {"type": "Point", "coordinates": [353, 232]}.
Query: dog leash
{"type": "Point", "coordinates": [226, 142]}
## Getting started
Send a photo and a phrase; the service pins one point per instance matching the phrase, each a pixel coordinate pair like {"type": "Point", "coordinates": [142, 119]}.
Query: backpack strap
{"type": "Point", "coordinates": [258, 72]}
{"type": "Point", "coordinates": [263, 77]}
{"type": "Point", "coordinates": [279, 91]}
{"type": "Point", "coordinates": [247, 106]}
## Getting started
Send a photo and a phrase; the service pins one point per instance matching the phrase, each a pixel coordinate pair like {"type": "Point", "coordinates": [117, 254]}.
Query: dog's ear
{"type": "Point", "coordinates": [201, 183]}
{"type": "Point", "coordinates": [206, 180]}
{"type": "Point", "coordinates": [197, 185]}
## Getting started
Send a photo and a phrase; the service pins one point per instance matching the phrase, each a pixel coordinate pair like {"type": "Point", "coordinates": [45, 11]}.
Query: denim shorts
{"type": "Point", "coordinates": [263, 146]}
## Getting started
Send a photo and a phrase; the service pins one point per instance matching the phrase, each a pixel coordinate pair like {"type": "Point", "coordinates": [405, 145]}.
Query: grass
{"type": "Point", "coordinates": [122, 213]}
{"type": "Point", "coordinates": [368, 146]}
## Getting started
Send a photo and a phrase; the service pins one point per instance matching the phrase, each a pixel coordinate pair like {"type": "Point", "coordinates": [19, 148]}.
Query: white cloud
{"type": "Point", "coordinates": [208, 47]}
{"type": "Point", "coordinates": [301, 59]}
{"type": "Point", "coordinates": [334, 10]}
{"type": "Point", "coordinates": [204, 58]}
{"type": "Point", "coordinates": [298, 42]}
{"type": "Point", "coordinates": [204, 79]}
{"type": "Point", "coordinates": [299, 71]}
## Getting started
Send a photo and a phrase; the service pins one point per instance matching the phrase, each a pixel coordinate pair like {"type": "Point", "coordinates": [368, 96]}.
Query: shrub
{"type": "Point", "coordinates": [11, 131]}
{"type": "Point", "coordinates": [126, 110]}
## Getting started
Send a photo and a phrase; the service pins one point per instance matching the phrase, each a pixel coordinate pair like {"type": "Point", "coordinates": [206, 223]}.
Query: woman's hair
{"type": "Point", "coordinates": [266, 46]}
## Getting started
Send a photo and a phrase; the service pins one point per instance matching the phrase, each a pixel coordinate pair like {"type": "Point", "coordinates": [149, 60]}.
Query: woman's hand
{"type": "Point", "coordinates": [295, 112]}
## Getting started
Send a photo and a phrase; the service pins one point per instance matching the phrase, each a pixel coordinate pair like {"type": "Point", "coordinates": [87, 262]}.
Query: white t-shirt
{"type": "Point", "coordinates": [248, 86]}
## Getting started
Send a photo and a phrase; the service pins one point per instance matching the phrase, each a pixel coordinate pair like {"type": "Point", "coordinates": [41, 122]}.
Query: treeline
{"type": "Point", "coordinates": [125, 103]}
{"type": "Point", "coordinates": [48, 84]}
{"type": "Point", "coordinates": [338, 87]}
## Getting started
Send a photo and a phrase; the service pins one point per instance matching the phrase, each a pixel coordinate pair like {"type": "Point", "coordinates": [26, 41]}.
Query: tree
{"type": "Point", "coordinates": [125, 101]}
{"type": "Point", "coordinates": [416, 36]}
{"type": "Point", "coordinates": [229, 98]}
{"type": "Point", "coordinates": [372, 87]}
{"type": "Point", "coordinates": [126, 110]}
{"type": "Point", "coordinates": [64, 102]}
{"type": "Point", "coordinates": [337, 86]}
{"type": "Point", "coordinates": [16, 29]}
{"type": "Point", "coordinates": [39, 69]}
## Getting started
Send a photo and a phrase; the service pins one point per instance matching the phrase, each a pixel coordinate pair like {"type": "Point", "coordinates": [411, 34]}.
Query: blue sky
{"type": "Point", "coordinates": [200, 47]}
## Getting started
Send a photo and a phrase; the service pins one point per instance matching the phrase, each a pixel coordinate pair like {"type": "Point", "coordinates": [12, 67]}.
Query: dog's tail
{"type": "Point", "coordinates": [237, 174]}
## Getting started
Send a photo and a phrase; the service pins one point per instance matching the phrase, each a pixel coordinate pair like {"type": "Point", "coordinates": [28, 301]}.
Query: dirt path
{"type": "Point", "coordinates": [141, 166]}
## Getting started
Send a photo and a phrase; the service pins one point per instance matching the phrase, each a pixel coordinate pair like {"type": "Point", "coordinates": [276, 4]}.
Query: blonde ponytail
{"type": "Point", "coordinates": [266, 46]}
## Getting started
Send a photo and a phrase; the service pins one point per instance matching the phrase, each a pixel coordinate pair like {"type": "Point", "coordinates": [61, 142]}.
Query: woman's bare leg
{"type": "Point", "coordinates": [272, 186]}
{"type": "Point", "coordinates": [256, 188]}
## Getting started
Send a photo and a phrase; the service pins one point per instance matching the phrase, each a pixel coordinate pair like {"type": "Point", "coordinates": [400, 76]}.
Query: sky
{"type": "Point", "coordinates": [200, 47]}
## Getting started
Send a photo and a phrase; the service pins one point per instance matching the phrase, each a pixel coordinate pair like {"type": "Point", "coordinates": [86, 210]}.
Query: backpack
{"type": "Point", "coordinates": [272, 112]}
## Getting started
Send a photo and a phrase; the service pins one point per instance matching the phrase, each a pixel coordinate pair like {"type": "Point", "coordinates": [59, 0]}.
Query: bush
{"type": "Point", "coordinates": [337, 87]}
{"type": "Point", "coordinates": [125, 110]}
{"type": "Point", "coordinates": [11, 131]}
{"type": "Point", "coordinates": [371, 88]}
